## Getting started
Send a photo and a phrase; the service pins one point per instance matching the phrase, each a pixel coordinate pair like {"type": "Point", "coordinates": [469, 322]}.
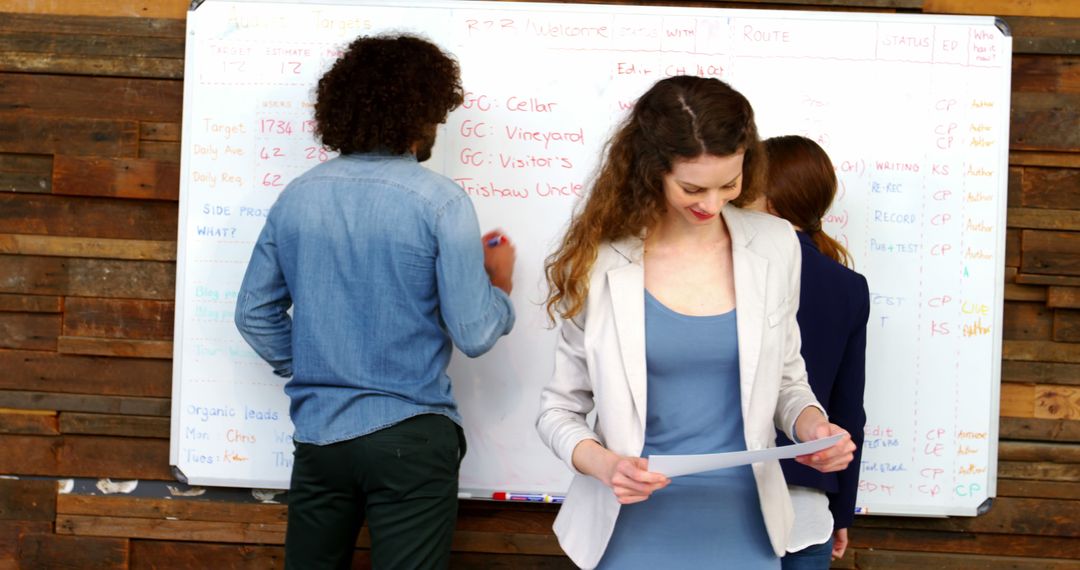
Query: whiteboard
{"type": "Point", "coordinates": [912, 109]}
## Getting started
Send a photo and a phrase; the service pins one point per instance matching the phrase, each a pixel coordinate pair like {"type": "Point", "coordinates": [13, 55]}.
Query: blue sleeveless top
{"type": "Point", "coordinates": [707, 520]}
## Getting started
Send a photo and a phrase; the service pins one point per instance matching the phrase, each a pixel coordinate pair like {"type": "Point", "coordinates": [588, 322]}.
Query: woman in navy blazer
{"type": "Point", "coordinates": [833, 311]}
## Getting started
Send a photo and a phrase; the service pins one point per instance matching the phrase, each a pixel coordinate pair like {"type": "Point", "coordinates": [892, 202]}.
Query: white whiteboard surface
{"type": "Point", "coordinates": [912, 109]}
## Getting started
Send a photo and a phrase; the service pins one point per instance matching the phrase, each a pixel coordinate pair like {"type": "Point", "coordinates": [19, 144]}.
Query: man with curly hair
{"type": "Point", "coordinates": [384, 267]}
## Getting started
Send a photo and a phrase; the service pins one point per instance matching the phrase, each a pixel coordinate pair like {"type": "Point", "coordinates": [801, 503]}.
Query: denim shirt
{"type": "Point", "coordinates": [382, 264]}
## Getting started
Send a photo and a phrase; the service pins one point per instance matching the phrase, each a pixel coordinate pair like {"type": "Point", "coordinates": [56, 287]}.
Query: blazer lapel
{"type": "Point", "coordinates": [627, 283]}
{"type": "Point", "coordinates": [750, 273]}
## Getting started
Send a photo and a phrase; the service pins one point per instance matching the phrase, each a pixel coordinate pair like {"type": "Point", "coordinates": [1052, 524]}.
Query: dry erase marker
{"type": "Point", "coordinates": [496, 240]}
{"type": "Point", "coordinates": [528, 497]}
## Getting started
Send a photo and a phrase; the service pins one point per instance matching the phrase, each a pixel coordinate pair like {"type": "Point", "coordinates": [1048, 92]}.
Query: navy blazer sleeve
{"type": "Point", "coordinates": [833, 312]}
{"type": "Point", "coordinates": [847, 401]}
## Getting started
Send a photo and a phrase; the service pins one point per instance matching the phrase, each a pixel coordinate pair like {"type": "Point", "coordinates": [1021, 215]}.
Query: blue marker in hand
{"type": "Point", "coordinates": [496, 240]}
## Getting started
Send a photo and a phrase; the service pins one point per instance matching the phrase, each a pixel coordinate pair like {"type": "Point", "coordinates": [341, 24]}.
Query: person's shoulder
{"type": "Point", "coordinates": [437, 188]}
{"type": "Point", "coordinates": [764, 220]}
{"type": "Point", "coordinates": [763, 223]}
{"type": "Point", "coordinates": [840, 277]}
{"type": "Point", "coordinates": [612, 254]}
{"type": "Point", "coordinates": [765, 234]}
{"type": "Point", "coordinates": [767, 227]}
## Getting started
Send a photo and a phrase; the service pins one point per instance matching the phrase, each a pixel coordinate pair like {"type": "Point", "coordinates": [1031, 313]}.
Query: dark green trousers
{"type": "Point", "coordinates": [403, 480]}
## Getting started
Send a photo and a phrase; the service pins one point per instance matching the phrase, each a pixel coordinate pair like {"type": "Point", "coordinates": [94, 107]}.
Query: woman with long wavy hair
{"type": "Point", "coordinates": [832, 319]}
{"type": "Point", "coordinates": [678, 332]}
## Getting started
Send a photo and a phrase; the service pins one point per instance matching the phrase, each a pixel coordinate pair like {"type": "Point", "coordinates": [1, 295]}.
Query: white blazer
{"type": "Point", "coordinates": [600, 365]}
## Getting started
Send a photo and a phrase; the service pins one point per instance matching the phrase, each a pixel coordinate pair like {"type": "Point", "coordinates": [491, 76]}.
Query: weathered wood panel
{"type": "Point", "coordinates": [105, 248]}
{"type": "Point", "coordinates": [1057, 402]}
{"type": "Point", "coordinates": [1057, 188]}
{"type": "Point", "coordinates": [122, 9]}
{"type": "Point", "coordinates": [28, 422]}
{"type": "Point", "coordinates": [87, 217]}
{"type": "Point", "coordinates": [199, 531]}
{"type": "Point", "coordinates": [41, 19]}
{"type": "Point", "coordinates": [114, 347]}
{"type": "Point", "coordinates": [86, 277]}
{"type": "Point", "coordinates": [97, 45]}
{"type": "Point", "coordinates": [1046, 74]}
{"type": "Point", "coordinates": [51, 372]}
{"type": "Point", "coordinates": [169, 555]}
{"type": "Point", "coordinates": [1066, 325]}
{"type": "Point", "coordinates": [475, 515]}
{"type": "Point", "coordinates": [1057, 280]}
{"type": "Point", "coordinates": [11, 532]}
{"type": "Point", "coordinates": [1043, 159]}
{"type": "Point", "coordinates": [1036, 451]}
{"type": "Point", "coordinates": [85, 456]}
{"type": "Point", "coordinates": [30, 62]}
{"type": "Point", "coordinates": [1045, 121]}
{"type": "Point", "coordinates": [163, 151]}
{"type": "Point", "coordinates": [29, 303]}
{"type": "Point", "coordinates": [138, 178]}
{"type": "Point", "coordinates": [160, 132]}
{"type": "Point", "coordinates": [1038, 489]}
{"type": "Point", "coordinates": [29, 331]}
{"type": "Point", "coordinates": [1027, 321]}
{"type": "Point", "coordinates": [1017, 400]}
{"type": "Point", "coordinates": [1057, 253]}
{"type": "Point", "coordinates": [1049, 8]}
{"type": "Point", "coordinates": [164, 555]}
{"type": "Point", "coordinates": [27, 400]}
{"type": "Point", "coordinates": [86, 97]}
{"type": "Point", "coordinates": [1015, 183]}
{"type": "Point", "coordinates": [27, 500]}
{"type": "Point", "coordinates": [1007, 516]}
{"type": "Point", "coordinates": [25, 173]}
{"type": "Point", "coordinates": [472, 560]}
{"type": "Point", "coordinates": [1040, 372]}
{"type": "Point", "coordinates": [1042, 219]}
{"type": "Point", "coordinates": [54, 551]}
{"type": "Point", "coordinates": [1012, 248]}
{"type": "Point", "coordinates": [1043, 471]}
{"type": "Point", "coordinates": [960, 543]}
{"type": "Point", "coordinates": [1063, 297]}
{"type": "Point", "coordinates": [121, 47]}
{"type": "Point", "coordinates": [874, 559]}
{"type": "Point", "coordinates": [119, 318]}
{"type": "Point", "coordinates": [1039, 429]}
{"type": "Point", "coordinates": [1054, 35]}
{"type": "Point", "coordinates": [1040, 351]}
{"type": "Point", "coordinates": [274, 533]}
{"type": "Point", "coordinates": [156, 508]}
{"type": "Point", "coordinates": [107, 424]}
{"type": "Point", "coordinates": [28, 134]}
{"type": "Point", "coordinates": [1014, 292]}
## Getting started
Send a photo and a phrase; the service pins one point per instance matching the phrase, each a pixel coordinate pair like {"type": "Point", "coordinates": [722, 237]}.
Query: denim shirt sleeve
{"type": "Point", "coordinates": [262, 304]}
{"type": "Point", "coordinates": [475, 312]}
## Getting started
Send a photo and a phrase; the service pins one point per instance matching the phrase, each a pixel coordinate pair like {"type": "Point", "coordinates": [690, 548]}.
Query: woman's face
{"type": "Point", "coordinates": [697, 189]}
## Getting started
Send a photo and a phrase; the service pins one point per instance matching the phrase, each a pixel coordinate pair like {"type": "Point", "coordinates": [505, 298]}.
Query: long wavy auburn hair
{"type": "Point", "coordinates": [678, 118]}
{"type": "Point", "coordinates": [801, 187]}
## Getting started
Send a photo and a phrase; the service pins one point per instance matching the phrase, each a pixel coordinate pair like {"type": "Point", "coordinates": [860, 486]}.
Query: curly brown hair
{"type": "Point", "coordinates": [386, 93]}
{"type": "Point", "coordinates": [680, 117]}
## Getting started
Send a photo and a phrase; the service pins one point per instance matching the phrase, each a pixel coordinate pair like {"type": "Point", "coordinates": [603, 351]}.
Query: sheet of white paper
{"type": "Point", "coordinates": [676, 465]}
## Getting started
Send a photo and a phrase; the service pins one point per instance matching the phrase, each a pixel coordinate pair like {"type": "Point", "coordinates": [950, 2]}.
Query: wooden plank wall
{"type": "Point", "coordinates": [90, 111]}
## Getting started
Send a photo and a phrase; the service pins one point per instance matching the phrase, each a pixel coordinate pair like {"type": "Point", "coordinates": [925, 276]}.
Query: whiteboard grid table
{"type": "Point", "coordinates": [912, 109]}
